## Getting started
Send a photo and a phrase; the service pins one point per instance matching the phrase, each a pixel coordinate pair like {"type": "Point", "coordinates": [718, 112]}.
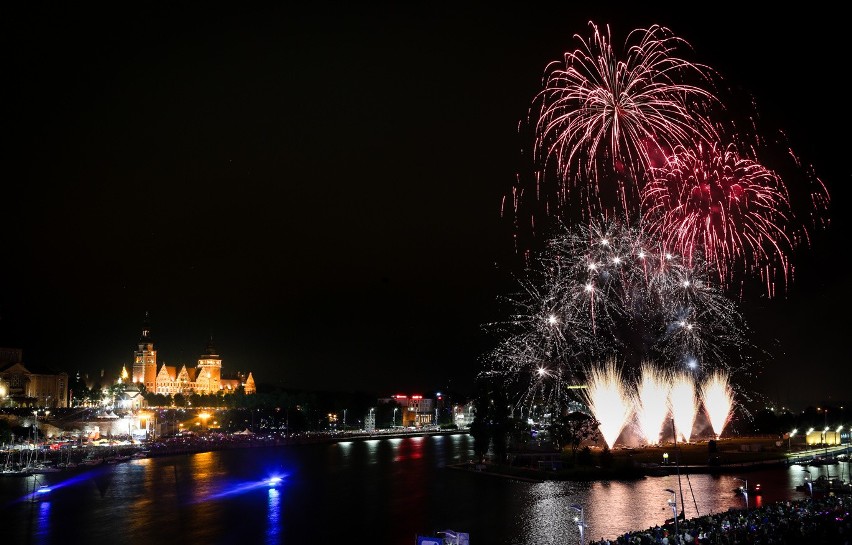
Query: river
{"type": "Point", "coordinates": [383, 491]}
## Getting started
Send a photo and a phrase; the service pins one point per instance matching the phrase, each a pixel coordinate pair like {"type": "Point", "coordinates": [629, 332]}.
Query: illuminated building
{"type": "Point", "coordinates": [205, 378]}
{"type": "Point", "coordinates": [22, 387]}
{"type": "Point", "coordinates": [416, 409]}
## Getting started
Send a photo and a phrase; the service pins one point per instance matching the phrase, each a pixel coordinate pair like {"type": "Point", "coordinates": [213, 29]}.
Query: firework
{"type": "Point", "coordinates": [684, 405]}
{"type": "Point", "coordinates": [651, 403]}
{"type": "Point", "coordinates": [607, 291]}
{"type": "Point", "coordinates": [607, 118]}
{"type": "Point", "coordinates": [709, 201]}
{"type": "Point", "coordinates": [718, 398]}
{"type": "Point", "coordinates": [608, 398]}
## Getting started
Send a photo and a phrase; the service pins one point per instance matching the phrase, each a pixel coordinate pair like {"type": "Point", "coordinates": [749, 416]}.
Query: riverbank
{"type": "Point", "coordinates": [25, 459]}
{"type": "Point", "coordinates": [735, 455]}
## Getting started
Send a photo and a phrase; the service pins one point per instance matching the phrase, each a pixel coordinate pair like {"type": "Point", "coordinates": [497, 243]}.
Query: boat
{"type": "Point", "coordinates": [681, 517]}
{"type": "Point", "coordinates": [754, 491]}
{"type": "Point", "coordinates": [819, 461]}
{"type": "Point", "coordinates": [36, 465]}
{"type": "Point", "coordinates": [116, 459]}
{"type": "Point", "coordinates": [41, 493]}
{"type": "Point", "coordinates": [823, 484]}
{"type": "Point", "coordinates": [41, 468]}
{"type": "Point", "coordinates": [12, 472]}
{"type": "Point", "coordinates": [91, 460]}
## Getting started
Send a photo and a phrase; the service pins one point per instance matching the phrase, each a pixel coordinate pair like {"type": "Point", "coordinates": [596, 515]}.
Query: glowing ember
{"type": "Point", "coordinates": [718, 398]}
{"type": "Point", "coordinates": [608, 399]}
{"type": "Point", "coordinates": [652, 396]}
{"type": "Point", "coordinates": [684, 404]}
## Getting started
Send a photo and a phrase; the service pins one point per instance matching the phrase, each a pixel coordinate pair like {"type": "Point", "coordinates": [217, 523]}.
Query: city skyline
{"type": "Point", "coordinates": [321, 191]}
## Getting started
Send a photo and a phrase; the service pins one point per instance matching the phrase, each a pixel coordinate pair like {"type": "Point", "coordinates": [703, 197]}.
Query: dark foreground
{"type": "Point", "coordinates": [814, 521]}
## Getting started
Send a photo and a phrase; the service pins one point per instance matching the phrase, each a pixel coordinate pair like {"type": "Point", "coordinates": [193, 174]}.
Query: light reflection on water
{"type": "Point", "coordinates": [387, 490]}
{"type": "Point", "coordinates": [43, 523]}
{"type": "Point", "coordinates": [273, 527]}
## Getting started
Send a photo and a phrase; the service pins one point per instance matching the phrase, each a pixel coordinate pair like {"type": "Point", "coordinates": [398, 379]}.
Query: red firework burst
{"type": "Point", "coordinates": [708, 200]}
{"type": "Point", "coordinates": [605, 119]}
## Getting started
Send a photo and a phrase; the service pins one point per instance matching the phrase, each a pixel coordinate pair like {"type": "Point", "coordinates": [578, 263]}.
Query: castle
{"type": "Point", "coordinates": [205, 378]}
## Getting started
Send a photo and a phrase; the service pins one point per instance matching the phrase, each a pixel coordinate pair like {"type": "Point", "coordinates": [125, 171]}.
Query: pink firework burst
{"type": "Point", "coordinates": [708, 200]}
{"type": "Point", "coordinates": [606, 119]}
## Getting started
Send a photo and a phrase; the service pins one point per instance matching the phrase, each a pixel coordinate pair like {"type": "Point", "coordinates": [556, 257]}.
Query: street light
{"type": "Point", "coordinates": [393, 425]}
{"type": "Point", "coordinates": [745, 490]}
{"type": "Point", "coordinates": [581, 522]}
{"type": "Point", "coordinates": [673, 504]}
{"type": "Point", "coordinates": [790, 437]}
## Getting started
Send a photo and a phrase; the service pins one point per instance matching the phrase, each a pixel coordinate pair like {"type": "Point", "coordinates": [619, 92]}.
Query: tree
{"type": "Point", "coordinates": [491, 425]}
{"type": "Point", "coordinates": [574, 428]}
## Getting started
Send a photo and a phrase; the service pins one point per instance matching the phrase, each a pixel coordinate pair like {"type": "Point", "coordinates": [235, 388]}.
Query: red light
{"type": "Point", "coordinates": [416, 397]}
{"type": "Point", "coordinates": [400, 396]}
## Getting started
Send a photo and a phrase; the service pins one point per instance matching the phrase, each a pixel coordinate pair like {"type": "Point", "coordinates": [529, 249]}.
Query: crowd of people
{"type": "Point", "coordinates": [812, 521]}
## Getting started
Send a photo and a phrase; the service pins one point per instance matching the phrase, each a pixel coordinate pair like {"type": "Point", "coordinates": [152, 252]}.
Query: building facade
{"type": "Point", "coordinates": [416, 411]}
{"type": "Point", "coordinates": [204, 378]}
{"type": "Point", "coordinates": [22, 387]}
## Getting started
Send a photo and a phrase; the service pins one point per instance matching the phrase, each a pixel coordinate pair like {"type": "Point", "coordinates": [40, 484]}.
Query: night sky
{"type": "Point", "coordinates": [320, 189]}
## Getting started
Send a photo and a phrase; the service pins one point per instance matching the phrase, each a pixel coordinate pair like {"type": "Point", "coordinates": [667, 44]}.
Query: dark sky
{"type": "Point", "coordinates": [320, 189]}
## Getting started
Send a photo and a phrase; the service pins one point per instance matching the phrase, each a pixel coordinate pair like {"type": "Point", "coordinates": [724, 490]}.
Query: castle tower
{"type": "Point", "coordinates": [145, 359]}
{"type": "Point", "coordinates": [209, 370]}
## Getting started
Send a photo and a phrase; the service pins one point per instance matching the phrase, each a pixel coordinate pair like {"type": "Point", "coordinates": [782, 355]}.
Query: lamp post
{"type": "Point", "coordinates": [790, 438]}
{"type": "Point", "coordinates": [344, 419]}
{"type": "Point", "coordinates": [673, 504]}
{"type": "Point", "coordinates": [393, 425]}
{"type": "Point", "coordinates": [745, 490]}
{"type": "Point", "coordinates": [581, 522]}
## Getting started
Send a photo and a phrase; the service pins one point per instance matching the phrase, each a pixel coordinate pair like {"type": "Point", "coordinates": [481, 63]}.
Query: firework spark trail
{"type": "Point", "coordinates": [651, 402]}
{"type": "Point", "coordinates": [608, 398]}
{"type": "Point", "coordinates": [718, 398]}
{"type": "Point", "coordinates": [608, 291]}
{"type": "Point", "coordinates": [702, 324]}
{"type": "Point", "coordinates": [712, 202]}
{"type": "Point", "coordinates": [619, 292]}
{"type": "Point", "coordinates": [684, 404]}
{"type": "Point", "coordinates": [609, 119]}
